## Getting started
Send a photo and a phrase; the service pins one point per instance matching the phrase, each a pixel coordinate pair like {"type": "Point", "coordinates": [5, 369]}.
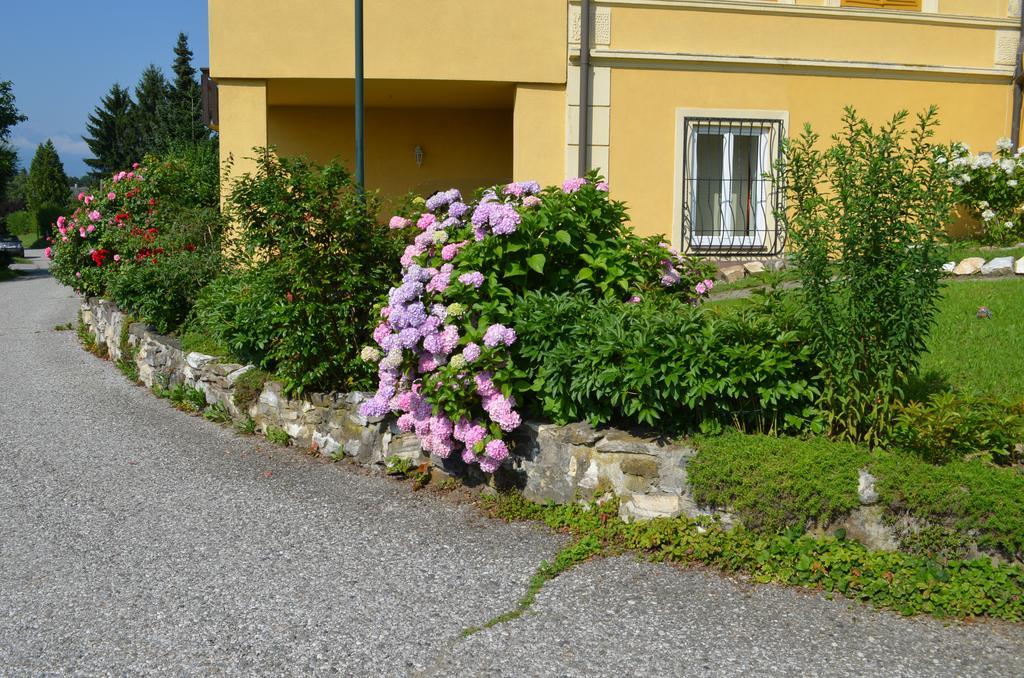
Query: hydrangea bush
{"type": "Point", "coordinates": [992, 188]}
{"type": "Point", "coordinates": [443, 344]}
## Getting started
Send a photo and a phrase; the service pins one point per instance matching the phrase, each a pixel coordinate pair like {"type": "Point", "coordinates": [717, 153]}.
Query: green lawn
{"type": "Point", "coordinates": [979, 355]}
{"type": "Point", "coordinates": [960, 250]}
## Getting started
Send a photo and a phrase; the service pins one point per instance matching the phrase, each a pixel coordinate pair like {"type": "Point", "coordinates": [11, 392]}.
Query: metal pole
{"type": "Point", "coordinates": [584, 139]}
{"type": "Point", "coordinates": [1018, 85]}
{"type": "Point", "coordinates": [360, 139]}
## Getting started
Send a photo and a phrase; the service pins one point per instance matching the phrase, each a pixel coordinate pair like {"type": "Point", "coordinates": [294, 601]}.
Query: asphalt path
{"type": "Point", "coordinates": [137, 540]}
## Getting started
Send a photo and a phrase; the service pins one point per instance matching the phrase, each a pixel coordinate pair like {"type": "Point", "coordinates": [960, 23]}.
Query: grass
{"type": "Point", "coordinates": [979, 356]}
{"type": "Point", "coordinates": [8, 274]}
{"type": "Point", "coordinates": [964, 249]}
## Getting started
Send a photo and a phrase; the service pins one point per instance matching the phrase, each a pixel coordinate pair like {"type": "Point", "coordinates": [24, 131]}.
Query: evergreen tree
{"type": "Point", "coordinates": [111, 137]}
{"type": "Point", "coordinates": [150, 100]}
{"type": "Point", "coordinates": [182, 119]}
{"type": "Point", "coordinates": [47, 186]}
{"type": "Point", "coordinates": [9, 117]}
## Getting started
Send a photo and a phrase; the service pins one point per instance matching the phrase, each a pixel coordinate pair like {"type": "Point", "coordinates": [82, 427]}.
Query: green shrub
{"type": "Point", "coordinates": [660, 362]}
{"type": "Point", "coordinates": [310, 262]}
{"type": "Point", "coordinates": [991, 189]}
{"type": "Point", "coordinates": [949, 427]}
{"type": "Point", "coordinates": [774, 483]}
{"type": "Point", "coordinates": [23, 224]}
{"type": "Point", "coordinates": [865, 217]}
{"type": "Point", "coordinates": [278, 436]}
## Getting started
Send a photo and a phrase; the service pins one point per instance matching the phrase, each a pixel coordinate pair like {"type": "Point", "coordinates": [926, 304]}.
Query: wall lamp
{"type": "Point", "coordinates": [418, 153]}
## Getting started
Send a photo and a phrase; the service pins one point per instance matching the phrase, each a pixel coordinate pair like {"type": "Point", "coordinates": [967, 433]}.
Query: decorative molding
{"type": "Point", "coordinates": [930, 6]}
{"type": "Point", "coordinates": [840, 13]}
{"type": "Point", "coordinates": [1013, 8]}
{"type": "Point", "coordinates": [1006, 48]}
{"type": "Point", "coordinates": [718, 62]}
{"type": "Point", "coordinates": [601, 20]}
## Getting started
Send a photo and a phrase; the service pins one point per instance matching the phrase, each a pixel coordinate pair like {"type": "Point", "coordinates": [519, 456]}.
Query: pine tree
{"type": "Point", "coordinates": [150, 100]}
{"type": "Point", "coordinates": [182, 120]}
{"type": "Point", "coordinates": [47, 185]}
{"type": "Point", "coordinates": [111, 137]}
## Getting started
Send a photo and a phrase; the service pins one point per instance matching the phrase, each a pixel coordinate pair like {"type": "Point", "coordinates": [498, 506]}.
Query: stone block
{"type": "Point", "coordinates": [753, 268]}
{"type": "Point", "coordinates": [730, 273]}
{"type": "Point", "coordinates": [648, 506]}
{"type": "Point", "coordinates": [969, 266]}
{"type": "Point", "coordinates": [948, 266]}
{"type": "Point", "coordinates": [866, 526]}
{"type": "Point", "coordinates": [866, 488]}
{"type": "Point", "coordinates": [998, 266]}
{"type": "Point", "coordinates": [1018, 266]}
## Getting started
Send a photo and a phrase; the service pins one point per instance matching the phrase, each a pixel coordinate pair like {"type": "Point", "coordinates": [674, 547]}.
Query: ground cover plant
{"type": "Point", "coordinates": [906, 583]}
{"type": "Point", "coordinates": [866, 219]}
{"type": "Point", "coordinates": [445, 334]}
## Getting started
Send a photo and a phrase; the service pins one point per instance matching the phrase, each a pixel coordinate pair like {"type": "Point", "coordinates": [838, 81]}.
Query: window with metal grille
{"type": "Point", "coordinates": [729, 199]}
{"type": "Point", "coordinates": [883, 4]}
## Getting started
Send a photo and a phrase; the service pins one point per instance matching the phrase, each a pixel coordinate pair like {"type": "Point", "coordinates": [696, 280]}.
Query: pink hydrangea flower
{"type": "Point", "coordinates": [111, 195]}
{"type": "Point", "coordinates": [634, 299]}
{"type": "Point", "coordinates": [573, 185]}
{"type": "Point", "coordinates": [531, 201]}
{"type": "Point", "coordinates": [426, 221]}
{"type": "Point", "coordinates": [496, 450]}
{"type": "Point", "coordinates": [499, 334]}
{"type": "Point", "coordinates": [399, 222]}
{"type": "Point", "coordinates": [471, 352]}
{"type": "Point", "coordinates": [602, 186]}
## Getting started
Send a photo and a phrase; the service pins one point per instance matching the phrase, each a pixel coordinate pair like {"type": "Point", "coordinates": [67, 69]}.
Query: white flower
{"type": "Point", "coordinates": [983, 205]}
{"type": "Point", "coordinates": [392, 360]}
{"type": "Point", "coordinates": [981, 160]}
{"type": "Point", "coordinates": [960, 161]}
{"type": "Point", "coordinates": [370, 354]}
{"type": "Point", "coordinates": [965, 178]}
{"type": "Point", "coordinates": [440, 237]}
{"type": "Point", "coordinates": [1008, 165]}
{"type": "Point", "coordinates": [458, 361]}
{"type": "Point", "coordinates": [1011, 182]}
{"type": "Point", "coordinates": [941, 160]}
{"type": "Point", "coordinates": [1004, 144]}
{"type": "Point", "coordinates": [1007, 224]}
{"type": "Point", "coordinates": [988, 215]}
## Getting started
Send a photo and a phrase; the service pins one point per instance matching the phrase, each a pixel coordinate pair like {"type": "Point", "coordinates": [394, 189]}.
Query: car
{"type": "Point", "coordinates": [10, 247]}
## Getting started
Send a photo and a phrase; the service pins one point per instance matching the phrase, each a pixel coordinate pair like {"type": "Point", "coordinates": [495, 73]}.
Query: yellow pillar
{"type": "Point", "coordinates": [243, 124]}
{"type": "Point", "coordinates": [538, 132]}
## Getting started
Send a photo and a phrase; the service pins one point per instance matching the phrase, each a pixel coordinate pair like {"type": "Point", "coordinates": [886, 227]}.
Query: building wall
{"type": "Point", "coordinates": [462, 148]}
{"type": "Point", "coordinates": [804, 60]}
{"type": "Point", "coordinates": [411, 39]}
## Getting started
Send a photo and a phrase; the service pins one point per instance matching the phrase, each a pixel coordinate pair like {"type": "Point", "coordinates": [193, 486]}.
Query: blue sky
{"type": "Point", "coordinates": [62, 56]}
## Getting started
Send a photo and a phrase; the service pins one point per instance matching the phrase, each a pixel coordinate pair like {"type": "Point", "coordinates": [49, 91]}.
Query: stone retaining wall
{"type": "Point", "coordinates": [550, 463]}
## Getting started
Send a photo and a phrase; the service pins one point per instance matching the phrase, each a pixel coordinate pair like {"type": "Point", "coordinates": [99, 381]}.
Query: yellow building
{"type": "Point", "coordinates": [687, 100]}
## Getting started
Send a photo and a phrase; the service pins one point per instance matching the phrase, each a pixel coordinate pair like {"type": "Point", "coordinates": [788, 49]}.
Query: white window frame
{"type": "Point", "coordinates": [767, 148]}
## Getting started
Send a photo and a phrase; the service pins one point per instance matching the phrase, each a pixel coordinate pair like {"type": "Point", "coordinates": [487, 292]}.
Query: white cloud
{"type": "Point", "coordinates": [66, 145]}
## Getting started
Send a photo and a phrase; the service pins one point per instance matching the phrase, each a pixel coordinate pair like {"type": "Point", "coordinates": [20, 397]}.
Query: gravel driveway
{"type": "Point", "coordinates": [135, 539]}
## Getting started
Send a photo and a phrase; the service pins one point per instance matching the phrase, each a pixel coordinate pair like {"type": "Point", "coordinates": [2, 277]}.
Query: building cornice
{"type": "Point", "coordinates": [843, 13]}
{"type": "Point", "coordinates": [741, 63]}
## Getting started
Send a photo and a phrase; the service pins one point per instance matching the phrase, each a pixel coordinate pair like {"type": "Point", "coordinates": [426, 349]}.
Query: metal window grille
{"type": "Point", "coordinates": [210, 99]}
{"type": "Point", "coordinates": [729, 200]}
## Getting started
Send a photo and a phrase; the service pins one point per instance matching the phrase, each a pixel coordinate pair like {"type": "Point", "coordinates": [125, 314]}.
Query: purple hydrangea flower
{"type": "Point", "coordinates": [474, 279]}
{"type": "Point", "coordinates": [471, 352]}
{"type": "Point", "coordinates": [499, 334]}
{"type": "Point", "coordinates": [457, 209]}
{"type": "Point", "coordinates": [496, 450]}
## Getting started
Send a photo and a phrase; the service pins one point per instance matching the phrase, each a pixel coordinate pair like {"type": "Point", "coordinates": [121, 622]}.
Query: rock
{"type": "Point", "coordinates": [969, 266]}
{"type": "Point", "coordinates": [1018, 266]}
{"type": "Point", "coordinates": [866, 488]}
{"type": "Point", "coordinates": [998, 266]}
{"type": "Point", "coordinates": [753, 268]}
{"type": "Point", "coordinates": [648, 506]}
{"type": "Point", "coordinates": [731, 273]}
{"type": "Point", "coordinates": [197, 360]}
{"type": "Point", "coordinates": [948, 266]}
{"type": "Point", "coordinates": [866, 526]}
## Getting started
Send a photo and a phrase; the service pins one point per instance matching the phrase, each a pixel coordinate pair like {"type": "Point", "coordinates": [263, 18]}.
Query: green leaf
{"type": "Point", "coordinates": [585, 274]}
{"type": "Point", "coordinates": [563, 237]}
{"type": "Point", "coordinates": [536, 262]}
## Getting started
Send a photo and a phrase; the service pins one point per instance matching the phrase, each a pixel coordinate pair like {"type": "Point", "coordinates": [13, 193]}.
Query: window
{"type": "Point", "coordinates": [884, 4]}
{"type": "Point", "coordinates": [728, 201]}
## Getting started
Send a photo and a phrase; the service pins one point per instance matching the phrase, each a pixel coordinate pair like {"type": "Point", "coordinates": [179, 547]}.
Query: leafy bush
{"type": "Point", "coordinates": [446, 329]}
{"type": "Point", "coordinates": [992, 188]}
{"type": "Point", "coordinates": [149, 239]}
{"type": "Point", "coordinates": [659, 362]}
{"type": "Point", "coordinates": [865, 217]}
{"type": "Point", "coordinates": [949, 427]}
{"type": "Point", "coordinates": [308, 263]}
{"type": "Point", "coordinates": [775, 483]}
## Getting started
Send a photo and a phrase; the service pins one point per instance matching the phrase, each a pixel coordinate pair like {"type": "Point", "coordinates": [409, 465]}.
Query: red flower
{"type": "Point", "coordinates": [98, 256]}
{"type": "Point", "coordinates": [190, 247]}
{"type": "Point", "coordinates": [152, 201]}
